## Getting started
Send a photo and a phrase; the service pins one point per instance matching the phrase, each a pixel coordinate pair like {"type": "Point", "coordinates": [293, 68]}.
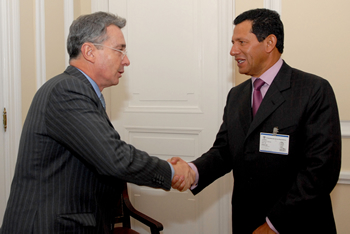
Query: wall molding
{"type": "Point", "coordinates": [344, 177]}
{"type": "Point", "coordinates": [185, 99]}
{"type": "Point", "coordinates": [158, 140]}
{"type": "Point", "coordinates": [226, 68]}
{"type": "Point", "coordinates": [190, 131]}
{"type": "Point", "coordinates": [164, 109]}
{"type": "Point", "coordinates": [225, 60]}
{"type": "Point", "coordinates": [40, 43]}
{"type": "Point", "coordinates": [345, 128]}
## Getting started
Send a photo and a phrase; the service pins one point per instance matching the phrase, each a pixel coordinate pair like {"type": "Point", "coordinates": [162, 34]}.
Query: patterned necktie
{"type": "Point", "coordinates": [257, 97]}
{"type": "Point", "coordinates": [103, 101]}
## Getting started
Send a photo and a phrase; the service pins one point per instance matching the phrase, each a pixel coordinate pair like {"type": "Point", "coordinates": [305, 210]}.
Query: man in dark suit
{"type": "Point", "coordinates": [276, 189]}
{"type": "Point", "coordinates": [71, 161]}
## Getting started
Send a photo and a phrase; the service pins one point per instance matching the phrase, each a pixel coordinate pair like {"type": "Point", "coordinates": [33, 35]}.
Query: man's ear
{"type": "Point", "coordinates": [88, 52]}
{"type": "Point", "coordinates": [270, 41]}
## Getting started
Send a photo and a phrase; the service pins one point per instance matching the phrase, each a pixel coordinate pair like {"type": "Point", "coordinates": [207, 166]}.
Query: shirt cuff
{"type": "Point", "coordinates": [194, 168]}
{"type": "Point", "coordinates": [271, 226]}
{"type": "Point", "coordinates": [172, 170]}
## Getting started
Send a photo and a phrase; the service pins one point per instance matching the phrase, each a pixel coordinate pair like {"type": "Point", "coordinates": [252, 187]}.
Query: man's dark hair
{"type": "Point", "coordinates": [264, 23]}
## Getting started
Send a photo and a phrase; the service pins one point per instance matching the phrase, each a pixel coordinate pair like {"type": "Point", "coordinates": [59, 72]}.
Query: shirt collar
{"type": "Point", "coordinates": [93, 83]}
{"type": "Point", "coordinates": [271, 73]}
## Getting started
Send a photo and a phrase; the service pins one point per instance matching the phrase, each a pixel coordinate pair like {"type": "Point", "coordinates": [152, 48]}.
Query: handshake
{"type": "Point", "coordinates": [184, 176]}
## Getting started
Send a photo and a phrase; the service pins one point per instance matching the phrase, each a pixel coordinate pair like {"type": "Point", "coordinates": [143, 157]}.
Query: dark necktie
{"type": "Point", "coordinates": [257, 97]}
{"type": "Point", "coordinates": [103, 101]}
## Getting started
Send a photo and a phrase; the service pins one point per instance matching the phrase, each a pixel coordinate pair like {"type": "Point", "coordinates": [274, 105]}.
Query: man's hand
{"type": "Point", "coordinates": [264, 229]}
{"type": "Point", "coordinates": [184, 175]}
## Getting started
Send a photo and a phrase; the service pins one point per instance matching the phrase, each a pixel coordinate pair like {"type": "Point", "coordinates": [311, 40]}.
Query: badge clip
{"type": "Point", "coordinates": [275, 131]}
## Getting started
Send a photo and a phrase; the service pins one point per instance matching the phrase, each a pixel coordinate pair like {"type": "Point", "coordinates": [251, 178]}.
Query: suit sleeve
{"type": "Point", "coordinates": [75, 119]}
{"type": "Point", "coordinates": [318, 175]}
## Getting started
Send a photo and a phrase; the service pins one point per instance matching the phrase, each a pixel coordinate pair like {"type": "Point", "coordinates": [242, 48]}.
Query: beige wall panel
{"type": "Point", "coordinates": [341, 207]}
{"type": "Point", "coordinates": [54, 41]}
{"type": "Point", "coordinates": [243, 5]}
{"type": "Point", "coordinates": [28, 71]}
{"type": "Point", "coordinates": [316, 41]}
{"type": "Point", "coordinates": [54, 38]}
{"type": "Point", "coordinates": [345, 154]}
{"type": "Point", "coordinates": [81, 7]}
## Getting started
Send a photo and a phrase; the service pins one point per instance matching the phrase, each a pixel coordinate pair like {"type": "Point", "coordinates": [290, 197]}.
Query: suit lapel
{"type": "Point", "coordinates": [273, 98]}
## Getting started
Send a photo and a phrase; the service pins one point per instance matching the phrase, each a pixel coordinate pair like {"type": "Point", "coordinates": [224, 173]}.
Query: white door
{"type": "Point", "coordinates": [2, 134]}
{"type": "Point", "coordinates": [2, 160]}
{"type": "Point", "coordinates": [10, 89]}
{"type": "Point", "coordinates": [170, 101]}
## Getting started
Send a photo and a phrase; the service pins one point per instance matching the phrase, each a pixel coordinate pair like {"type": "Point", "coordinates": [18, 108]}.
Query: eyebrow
{"type": "Point", "coordinates": [239, 39]}
{"type": "Point", "coordinates": [122, 46]}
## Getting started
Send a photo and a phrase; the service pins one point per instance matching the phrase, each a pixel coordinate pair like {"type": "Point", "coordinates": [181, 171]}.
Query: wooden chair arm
{"type": "Point", "coordinates": [154, 225]}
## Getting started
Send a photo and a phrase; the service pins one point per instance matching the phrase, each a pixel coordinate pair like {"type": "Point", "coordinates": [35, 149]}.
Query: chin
{"type": "Point", "coordinates": [116, 82]}
{"type": "Point", "coordinates": [243, 72]}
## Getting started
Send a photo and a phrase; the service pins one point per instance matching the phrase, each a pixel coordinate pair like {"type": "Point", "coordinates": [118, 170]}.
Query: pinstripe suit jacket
{"type": "Point", "coordinates": [292, 190]}
{"type": "Point", "coordinates": [71, 162]}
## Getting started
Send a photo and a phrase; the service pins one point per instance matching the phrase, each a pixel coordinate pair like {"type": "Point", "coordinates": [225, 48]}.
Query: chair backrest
{"type": "Point", "coordinates": [122, 214]}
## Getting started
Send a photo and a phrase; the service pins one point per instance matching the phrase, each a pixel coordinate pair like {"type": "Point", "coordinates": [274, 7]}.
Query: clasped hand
{"type": "Point", "coordinates": [184, 176]}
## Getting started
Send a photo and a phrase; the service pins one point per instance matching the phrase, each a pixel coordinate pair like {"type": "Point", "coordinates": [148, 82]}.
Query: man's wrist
{"type": "Point", "coordinates": [195, 183]}
{"type": "Point", "coordinates": [172, 170]}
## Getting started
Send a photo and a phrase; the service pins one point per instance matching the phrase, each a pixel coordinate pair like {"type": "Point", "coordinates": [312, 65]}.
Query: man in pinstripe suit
{"type": "Point", "coordinates": [71, 161]}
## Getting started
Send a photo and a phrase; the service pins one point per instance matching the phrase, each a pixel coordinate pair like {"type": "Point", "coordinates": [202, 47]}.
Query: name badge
{"type": "Point", "coordinates": [274, 143]}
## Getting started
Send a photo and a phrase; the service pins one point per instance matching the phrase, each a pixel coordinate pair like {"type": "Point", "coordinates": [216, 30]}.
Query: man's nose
{"type": "Point", "coordinates": [234, 50]}
{"type": "Point", "coordinates": [126, 61]}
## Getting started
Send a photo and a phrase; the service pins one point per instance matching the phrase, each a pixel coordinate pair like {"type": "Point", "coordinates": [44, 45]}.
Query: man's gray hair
{"type": "Point", "coordinates": [90, 28]}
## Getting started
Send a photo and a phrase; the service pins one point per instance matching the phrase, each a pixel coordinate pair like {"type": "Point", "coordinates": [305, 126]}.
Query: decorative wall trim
{"type": "Point", "coordinates": [164, 142]}
{"type": "Point", "coordinates": [185, 99]}
{"type": "Point", "coordinates": [345, 128]}
{"type": "Point", "coordinates": [344, 177]}
{"type": "Point", "coordinates": [164, 109]}
{"type": "Point", "coordinates": [40, 43]}
{"type": "Point", "coordinates": [226, 81]}
{"type": "Point", "coordinates": [10, 65]}
{"type": "Point", "coordinates": [274, 5]}
{"type": "Point", "coordinates": [68, 19]}
{"type": "Point", "coordinates": [191, 131]}
{"type": "Point", "coordinates": [225, 60]}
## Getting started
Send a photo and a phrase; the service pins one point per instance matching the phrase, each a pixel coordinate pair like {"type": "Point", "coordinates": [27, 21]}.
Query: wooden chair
{"type": "Point", "coordinates": [126, 210]}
